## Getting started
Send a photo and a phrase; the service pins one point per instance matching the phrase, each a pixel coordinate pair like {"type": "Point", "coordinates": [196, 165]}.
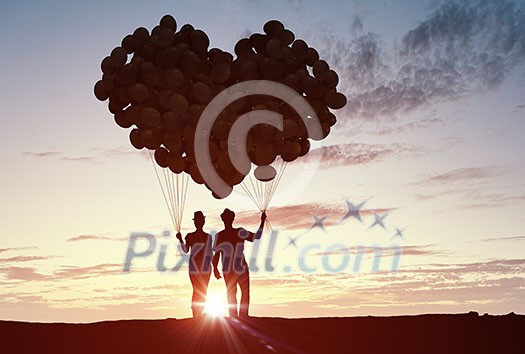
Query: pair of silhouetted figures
{"type": "Point", "coordinates": [228, 247]}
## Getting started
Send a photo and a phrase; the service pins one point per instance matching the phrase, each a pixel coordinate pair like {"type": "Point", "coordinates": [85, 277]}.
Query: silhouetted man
{"type": "Point", "coordinates": [229, 245]}
{"type": "Point", "coordinates": [199, 244]}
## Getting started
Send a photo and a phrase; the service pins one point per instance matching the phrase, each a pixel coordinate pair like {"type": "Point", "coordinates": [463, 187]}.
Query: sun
{"type": "Point", "coordinates": [215, 304]}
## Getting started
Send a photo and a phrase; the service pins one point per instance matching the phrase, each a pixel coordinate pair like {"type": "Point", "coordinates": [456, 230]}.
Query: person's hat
{"type": "Point", "coordinates": [227, 213]}
{"type": "Point", "coordinates": [198, 215]}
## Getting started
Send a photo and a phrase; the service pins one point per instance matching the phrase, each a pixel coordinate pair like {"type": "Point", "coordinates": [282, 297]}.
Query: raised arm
{"type": "Point", "coordinates": [184, 246]}
{"type": "Point", "coordinates": [259, 232]}
{"type": "Point", "coordinates": [215, 259]}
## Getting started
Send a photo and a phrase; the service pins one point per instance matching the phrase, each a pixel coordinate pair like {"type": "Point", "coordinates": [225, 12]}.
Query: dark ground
{"type": "Point", "coordinates": [462, 333]}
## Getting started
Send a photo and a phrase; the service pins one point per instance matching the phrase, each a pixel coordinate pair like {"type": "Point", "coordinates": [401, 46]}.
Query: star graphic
{"type": "Point", "coordinates": [353, 211]}
{"type": "Point", "coordinates": [378, 221]}
{"type": "Point", "coordinates": [318, 222]}
{"type": "Point", "coordinates": [399, 233]}
{"type": "Point", "coordinates": [291, 241]}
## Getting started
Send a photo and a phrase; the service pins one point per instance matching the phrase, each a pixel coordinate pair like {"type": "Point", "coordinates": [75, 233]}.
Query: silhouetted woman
{"type": "Point", "coordinates": [198, 243]}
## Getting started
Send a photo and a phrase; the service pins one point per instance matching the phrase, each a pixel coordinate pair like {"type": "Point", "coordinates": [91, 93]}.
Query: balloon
{"type": "Point", "coordinates": [305, 146]}
{"type": "Point", "coordinates": [221, 56]}
{"type": "Point", "coordinates": [178, 103]}
{"type": "Point", "coordinates": [123, 95]}
{"type": "Point", "coordinates": [331, 79]}
{"type": "Point", "coordinates": [172, 141]}
{"type": "Point", "coordinates": [164, 98]}
{"type": "Point", "coordinates": [195, 174]}
{"type": "Point", "coordinates": [174, 77]}
{"type": "Point", "coordinates": [115, 104]}
{"type": "Point", "coordinates": [140, 35]}
{"type": "Point", "coordinates": [289, 127]}
{"type": "Point", "coordinates": [149, 139]}
{"type": "Point", "coordinates": [321, 69]}
{"type": "Point", "coordinates": [120, 119]}
{"type": "Point", "coordinates": [242, 46]}
{"type": "Point", "coordinates": [194, 113]}
{"type": "Point", "coordinates": [128, 44]}
{"type": "Point", "coordinates": [119, 56]}
{"type": "Point", "coordinates": [190, 61]}
{"type": "Point", "coordinates": [335, 100]}
{"type": "Point", "coordinates": [327, 117]}
{"type": "Point", "coordinates": [275, 48]}
{"type": "Point", "coordinates": [273, 26]}
{"type": "Point", "coordinates": [250, 70]}
{"type": "Point", "coordinates": [199, 41]}
{"type": "Point", "coordinates": [175, 162]}
{"type": "Point", "coordinates": [201, 92]}
{"type": "Point", "coordinates": [150, 116]}
{"type": "Point", "coordinates": [312, 87]}
{"type": "Point", "coordinates": [132, 114]}
{"type": "Point", "coordinates": [265, 173]}
{"type": "Point", "coordinates": [107, 66]}
{"type": "Point", "coordinates": [221, 129]}
{"type": "Point", "coordinates": [220, 72]}
{"type": "Point", "coordinates": [166, 37]}
{"type": "Point", "coordinates": [161, 157]}
{"type": "Point", "coordinates": [138, 92]}
{"type": "Point", "coordinates": [101, 91]}
{"type": "Point", "coordinates": [292, 150]}
{"type": "Point", "coordinates": [189, 133]}
{"type": "Point", "coordinates": [311, 57]}
{"type": "Point", "coordinates": [259, 42]}
{"type": "Point", "coordinates": [147, 73]}
{"type": "Point", "coordinates": [167, 21]}
{"type": "Point", "coordinates": [170, 122]}
{"type": "Point", "coordinates": [292, 81]}
{"type": "Point", "coordinates": [285, 36]}
{"type": "Point", "coordinates": [300, 48]}
{"type": "Point", "coordinates": [127, 75]}
{"type": "Point", "coordinates": [263, 154]}
{"type": "Point", "coordinates": [135, 139]}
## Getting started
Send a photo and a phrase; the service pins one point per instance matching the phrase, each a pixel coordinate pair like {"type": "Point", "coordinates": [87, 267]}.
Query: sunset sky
{"type": "Point", "coordinates": [433, 136]}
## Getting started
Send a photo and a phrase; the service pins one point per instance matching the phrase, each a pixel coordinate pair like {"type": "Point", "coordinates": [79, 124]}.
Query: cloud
{"type": "Point", "coordinates": [499, 239]}
{"type": "Point", "coordinates": [300, 216]}
{"type": "Point", "coordinates": [487, 286]}
{"type": "Point", "coordinates": [466, 175]}
{"type": "Point", "coordinates": [94, 237]}
{"type": "Point", "coordinates": [96, 155]}
{"type": "Point", "coordinates": [64, 273]}
{"type": "Point", "coordinates": [22, 273]}
{"type": "Point", "coordinates": [16, 248]}
{"type": "Point", "coordinates": [351, 154]}
{"type": "Point", "coordinates": [18, 259]}
{"type": "Point", "coordinates": [461, 47]}
{"type": "Point", "coordinates": [41, 154]}
{"type": "Point", "coordinates": [75, 272]}
{"type": "Point", "coordinates": [405, 250]}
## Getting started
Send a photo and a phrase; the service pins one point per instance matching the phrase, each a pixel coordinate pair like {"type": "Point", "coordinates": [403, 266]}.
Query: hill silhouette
{"type": "Point", "coordinates": [444, 333]}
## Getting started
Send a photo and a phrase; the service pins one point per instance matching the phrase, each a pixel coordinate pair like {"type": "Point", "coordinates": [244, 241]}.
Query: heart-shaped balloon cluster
{"type": "Point", "coordinates": [171, 76]}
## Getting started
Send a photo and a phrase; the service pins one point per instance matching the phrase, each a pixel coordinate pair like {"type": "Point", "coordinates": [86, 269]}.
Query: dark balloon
{"type": "Point", "coordinates": [167, 21]}
{"type": "Point", "coordinates": [272, 27]}
{"type": "Point", "coordinates": [176, 162]}
{"type": "Point", "coordinates": [119, 56]}
{"type": "Point", "coordinates": [101, 92]}
{"type": "Point", "coordinates": [161, 157]}
{"type": "Point", "coordinates": [134, 138]}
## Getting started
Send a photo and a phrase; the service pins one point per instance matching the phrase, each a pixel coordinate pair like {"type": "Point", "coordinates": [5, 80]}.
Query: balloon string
{"type": "Point", "coordinates": [161, 188]}
{"type": "Point", "coordinates": [168, 177]}
{"type": "Point", "coordinates": [248, 192]}
{"type": "Point", "coordinates": [184, 186]}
